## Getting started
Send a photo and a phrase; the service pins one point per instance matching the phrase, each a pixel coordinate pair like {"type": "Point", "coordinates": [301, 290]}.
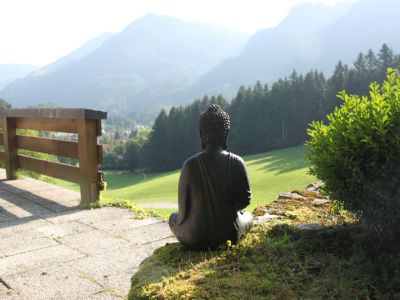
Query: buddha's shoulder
{"type": "Point", "coordinates": [191, 161]}
{"type": "Point", "coordinates": [236, 159]}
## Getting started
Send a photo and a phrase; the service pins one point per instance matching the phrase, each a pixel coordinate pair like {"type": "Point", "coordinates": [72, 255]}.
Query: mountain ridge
{"type": "Point", "coordinates": [275, 52]}
{"type": "Point", "coordinates": [159, 61]}
{"type": "Point", "coordinates": [11, 72]}
{"type": "Point", "coordinates": [140, 62]}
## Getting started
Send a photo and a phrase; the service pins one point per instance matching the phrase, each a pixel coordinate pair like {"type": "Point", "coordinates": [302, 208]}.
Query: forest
{"type": "Point", "coordinates": [263, 117]}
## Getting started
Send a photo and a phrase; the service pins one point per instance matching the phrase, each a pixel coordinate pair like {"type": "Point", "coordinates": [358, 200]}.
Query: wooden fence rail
{"type": "Point", "coordinates": [84, 122]}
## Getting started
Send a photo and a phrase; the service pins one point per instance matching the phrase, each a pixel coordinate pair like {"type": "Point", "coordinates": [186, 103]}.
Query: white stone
{"type": "Point", "coordinates": [266, 218]}
{"type": "Point", "coordinates": [309, 226]}
{"type": "Point", "coordinates": [320, 202]}
{"type": "Point", "coordinates": [294, 196]}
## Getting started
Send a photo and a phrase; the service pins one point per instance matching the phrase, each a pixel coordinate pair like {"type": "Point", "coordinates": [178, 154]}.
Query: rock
{"type": "Point", "coordinates": [314, 187]}
{"type": "Point", "coordinates": [294, 196]}
{"type": "Point", "coordinates": [266, 218]}
{"type": "Point", "coordinates": [309, 226]}
{"type": "Point", "coordinates": [320, 202]}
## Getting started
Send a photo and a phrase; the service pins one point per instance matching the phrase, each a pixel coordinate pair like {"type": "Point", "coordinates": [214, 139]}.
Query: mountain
{"type": "Point", "coordinates": [139, 67]}
{"type": "Point", "coordinates": [82, 51]}
{"type": "Point", "coordinates": [312, 36]}
{"type": "Point", "coordinates": [159, 61]}
{"type": "Point", "coordinates": [10, 72]}
{"type": "Point", "coordinates": [367, 25]}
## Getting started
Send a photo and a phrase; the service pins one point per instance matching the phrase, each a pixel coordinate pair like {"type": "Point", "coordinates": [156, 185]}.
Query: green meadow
{"type": "Point", "coordinates": [270, 173]}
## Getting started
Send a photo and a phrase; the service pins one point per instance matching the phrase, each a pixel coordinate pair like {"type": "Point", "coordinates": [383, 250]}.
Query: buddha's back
{"type": "Point", "coordinates": [213, 189]}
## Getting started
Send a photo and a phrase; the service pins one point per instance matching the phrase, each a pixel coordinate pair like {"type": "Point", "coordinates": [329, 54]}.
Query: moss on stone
{"type": "Point", "coordinates": [277, 261]}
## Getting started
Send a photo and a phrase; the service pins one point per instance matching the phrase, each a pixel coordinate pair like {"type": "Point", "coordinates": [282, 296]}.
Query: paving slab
{"type": "Point", "coordinates": [26, 211]}
{"type": "Point", "coordinates": [19, 225]}
{"type": "Point", "coordinates": [56, 231]}
{"type": "Point", "coordinates": [5, 216]}
{"type": "Point", "coordinates": [103, 296]}
{"type": "Point", "coordinates": [58, 197]}
{"type": "Point", "coordinates": [52, 249]}
{"type": "Point", "coordinates": [51, 204]}
{"type": "Point", "coordinates": [24, 241]}
{"type": "Point", "coordinates": [62, 195]}
{"type": "Point", "coordinates": [112, 269]}
{"type": "Point", "coordinates": [10, 295]}
{"type": "Point", "coordinates": [123, 224]}
{"type": "Point", "coordinates": [35, 259]}
{"type": "Point", "coordinates": [55, 282]}
{"type": "Point", "coordinates": [93, 242]}
{"type": "Point", "coordinates": [150, 247]}
{"type": "Point", "coordinates": [111, 213]}
{"type": "Point", "coordinates": [90, 216]}
{"type": "Point", "coordinates": [9, 199]}
{"type": "Point", "coordinates": [26, 184]}
{"type": "Point", "coordinates": [3, 288]}
{"type": "Point", "coordinates": [147, 234]}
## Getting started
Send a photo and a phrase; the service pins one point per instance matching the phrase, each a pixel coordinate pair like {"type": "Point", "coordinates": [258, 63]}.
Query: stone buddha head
{"type": "Point", "coordinates": [214, 125]}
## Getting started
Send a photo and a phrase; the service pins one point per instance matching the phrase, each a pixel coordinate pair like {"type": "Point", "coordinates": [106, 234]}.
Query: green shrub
{"type": "Point", "coordinates": [357, 155]}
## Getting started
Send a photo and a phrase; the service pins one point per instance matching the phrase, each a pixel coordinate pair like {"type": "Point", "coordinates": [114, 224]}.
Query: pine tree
{"type": "Point", "coordinates": [385, 60]}
{"type": "Point", "coordinates": [152, 151]}
{"type": "Point", "coordinates": [117, 135]}
{"type": "Point", "coordinates": [262, 117]}
{"type": "Point", "coordinates": [133, 133]}
{"type": "Point", "coordinates": [131, 158]}
{"type": "Point", "coordinates": [337, 83]}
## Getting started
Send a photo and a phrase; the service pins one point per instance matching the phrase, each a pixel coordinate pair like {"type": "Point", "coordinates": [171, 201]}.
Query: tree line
{"type": "Point", "coordinates": [263, 117]}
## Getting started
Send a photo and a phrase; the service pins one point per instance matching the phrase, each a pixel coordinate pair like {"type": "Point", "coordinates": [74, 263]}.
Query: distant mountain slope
{"type": "Point", "coordinates": [137, 68]}
{"type": "Point", "coordinates": [311, 37]}
{"type": "Point", "coordinates": [82, 51]}
{"type": "Point", "coordinates": [10, 72]}
{"type": "Point", "coordinates": [367, 25]}
{"type": "Point", "coordinates": [158, 61]}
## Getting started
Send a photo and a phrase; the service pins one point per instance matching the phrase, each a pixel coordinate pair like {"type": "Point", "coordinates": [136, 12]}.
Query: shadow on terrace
{"type": "Point", "coordinates": [26, 199]}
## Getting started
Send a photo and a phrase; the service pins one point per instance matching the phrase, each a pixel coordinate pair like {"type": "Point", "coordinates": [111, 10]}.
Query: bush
{"type": "Point", "coordinates": [357, 155]}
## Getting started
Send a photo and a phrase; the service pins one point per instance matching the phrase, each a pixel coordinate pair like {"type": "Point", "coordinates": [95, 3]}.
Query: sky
{"type": "Point", "coordinates": [40, 31]}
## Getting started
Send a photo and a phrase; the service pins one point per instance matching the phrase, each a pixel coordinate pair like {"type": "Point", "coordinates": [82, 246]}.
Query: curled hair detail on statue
{"type": "Point", "coordinates": [214, 126]}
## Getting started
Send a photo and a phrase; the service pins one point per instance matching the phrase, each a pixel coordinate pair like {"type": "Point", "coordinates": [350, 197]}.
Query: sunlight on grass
{"type": "Point", "coordinates": [270, 174]}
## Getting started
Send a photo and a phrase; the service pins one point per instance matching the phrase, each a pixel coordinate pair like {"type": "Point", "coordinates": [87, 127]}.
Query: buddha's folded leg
{"type": "Point", "coordinates": [173, 218]}
{"type": "Point", "coordinates": [244, 222]}
{"type": "Point", "coordinates": [176, 229]}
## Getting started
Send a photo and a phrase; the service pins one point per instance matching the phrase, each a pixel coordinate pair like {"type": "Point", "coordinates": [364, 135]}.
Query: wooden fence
{"type": "Point", "coordinates": [84, 122]}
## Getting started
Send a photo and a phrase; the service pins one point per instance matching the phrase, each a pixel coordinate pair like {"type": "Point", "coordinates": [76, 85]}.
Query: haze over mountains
{"type": "Point", "coordinates": [312, 36]}
{"type": "Point", "coordinates": [82, 51]}
{"type": "Point", "coordinates": [10, 72]}
{"type": "Point", "coordinates": [160, 60]}
{"type": "Point", "coordinates": [136, 68]}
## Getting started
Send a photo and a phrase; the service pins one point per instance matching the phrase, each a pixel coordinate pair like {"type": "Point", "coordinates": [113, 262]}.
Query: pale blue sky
{"type": "Point", "coordinates": [41, 31]}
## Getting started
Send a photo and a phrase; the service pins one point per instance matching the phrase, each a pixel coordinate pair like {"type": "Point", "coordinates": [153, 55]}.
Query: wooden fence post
{"type": "Point", "coordinates": [88, 161]}
{"type": "Point", "coordinates": [10, 146]}
{"type": "Point", "coordinates": [85, 122]}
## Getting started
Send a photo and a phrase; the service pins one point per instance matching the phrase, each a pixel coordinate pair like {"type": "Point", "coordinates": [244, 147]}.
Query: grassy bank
{"type": "Point", "coordinates": [277, 260]}
{"type": "Point", "coordinates": [270, 173]}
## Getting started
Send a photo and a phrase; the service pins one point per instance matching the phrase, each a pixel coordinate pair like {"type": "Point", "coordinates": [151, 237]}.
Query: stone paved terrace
{"type": "Point", "coordinates": [51, 249]}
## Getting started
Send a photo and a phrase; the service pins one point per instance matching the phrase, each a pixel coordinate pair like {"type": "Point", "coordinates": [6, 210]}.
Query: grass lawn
{"type": "Point", "coordinates": [270, 173]}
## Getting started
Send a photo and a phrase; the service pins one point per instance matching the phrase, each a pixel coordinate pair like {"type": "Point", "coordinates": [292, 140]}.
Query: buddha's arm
{"type": "Point", "coordinates": [183, 194]}
{"type": "Point", "coordinates": [241, 185]}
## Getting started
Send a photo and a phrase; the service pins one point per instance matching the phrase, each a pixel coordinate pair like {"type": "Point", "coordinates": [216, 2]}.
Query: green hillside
{"type": "Point", "coordinates": [270, 174]}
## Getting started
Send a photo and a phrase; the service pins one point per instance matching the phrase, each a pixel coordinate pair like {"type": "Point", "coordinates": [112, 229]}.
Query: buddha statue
{"type": "Point", "coordinates": [213, 189]}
